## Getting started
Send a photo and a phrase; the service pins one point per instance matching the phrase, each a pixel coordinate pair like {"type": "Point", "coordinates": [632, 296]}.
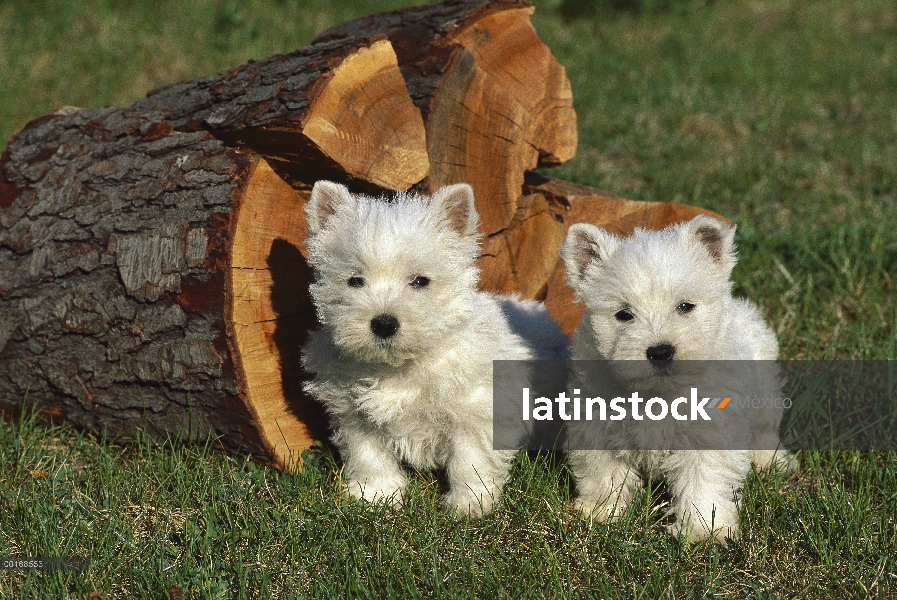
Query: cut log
{"type": "Point", "coordinates": [153, 279]}
{"type": "Point", "coordinates": [495, 101]}
{"type": "Point", "coordinates": [523, 258]}
{"type": "Point", "coordinates": [332, 110]}
{"type": "Point", "coordinates": [151, 259]}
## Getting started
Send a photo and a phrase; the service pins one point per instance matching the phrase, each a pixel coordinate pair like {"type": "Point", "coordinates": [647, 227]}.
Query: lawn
{"type": "Point", "coordinates": [779, 114]}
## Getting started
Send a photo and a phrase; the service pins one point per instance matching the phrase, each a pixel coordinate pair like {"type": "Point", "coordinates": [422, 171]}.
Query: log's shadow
{"type": "Point", "coordinates": [292, 304]}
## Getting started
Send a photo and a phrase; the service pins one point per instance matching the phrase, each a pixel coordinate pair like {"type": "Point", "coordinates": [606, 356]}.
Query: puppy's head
{"type": "Point", "coordinates": [657, 296]}
{"type": "Point", "coordinates": [393, 275]}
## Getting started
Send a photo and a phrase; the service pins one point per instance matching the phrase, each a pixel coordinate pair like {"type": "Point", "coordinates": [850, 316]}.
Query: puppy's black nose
{"type": "Point", "coordinates": [661, 352]}
{"type": "Point", "coordinates": [384, 326]}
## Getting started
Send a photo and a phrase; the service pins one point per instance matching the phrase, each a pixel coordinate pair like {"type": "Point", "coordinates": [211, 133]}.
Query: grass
{"type": "Point", "coordinates": [779, 114]}
{"type": "Point", "coordinates": [188, 521]}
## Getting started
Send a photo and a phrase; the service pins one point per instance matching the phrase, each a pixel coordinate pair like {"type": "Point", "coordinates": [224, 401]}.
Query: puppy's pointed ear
{"type": "Point", "coordinates": [586, 244]}
{"type": "Point", "coordinates": [714, 236]}
{"type": "Point", "coordinates": [457, 204]}
{"type": "Point", "coordinates": [326, 198]}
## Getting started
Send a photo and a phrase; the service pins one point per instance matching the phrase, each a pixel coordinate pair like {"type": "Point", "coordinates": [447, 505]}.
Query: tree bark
{"type": "Point", "coordinates": [153, 279]}
{"type": "Point", "coordinates": [331, 110]}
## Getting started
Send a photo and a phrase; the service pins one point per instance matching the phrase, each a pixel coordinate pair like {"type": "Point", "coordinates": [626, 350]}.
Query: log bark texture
{"type": "Point", "coordinates": [152, 270]}
{"type": "Point", "coordinates": [123, 282]}
{"type": "Point", "coordinates": [113, 246]}
{"type": "Point", "coordinates": [337, 110]}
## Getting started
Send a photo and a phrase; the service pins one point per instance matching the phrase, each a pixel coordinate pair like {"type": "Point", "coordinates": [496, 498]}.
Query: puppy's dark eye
{"type": "Point", "coordinates": [624, 316]}
{"type": "Point", "coordinates": [684, 308]}
{"type": "Point", "coordinates": [356, 281]}
{"type": "Point", "coordinates": [420, 282]}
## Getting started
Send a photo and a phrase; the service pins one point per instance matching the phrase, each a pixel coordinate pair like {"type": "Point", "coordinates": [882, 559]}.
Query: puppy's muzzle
{"type": "Point", "coordinates": [384, 326]}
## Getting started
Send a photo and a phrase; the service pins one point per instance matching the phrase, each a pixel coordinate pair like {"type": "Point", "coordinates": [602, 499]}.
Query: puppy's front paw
{"type": "Point", "coordinates": [720, 522]}
{"type": "Point", "coordinates": [385, 490]}
{"type": "Point", "coordinates": [465, 503]}
{"type": "Point", "coordinates": [601, 509]}
{"type": "Point", "coordinates": [785, 461]}
{"type": "Point", "coordinates": [692, 533]}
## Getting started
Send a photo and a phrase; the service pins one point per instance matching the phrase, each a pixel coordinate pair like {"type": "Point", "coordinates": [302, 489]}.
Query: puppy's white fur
{"type": "Point", "coordinates": [423, 393]}
{"type": "Point", "coordinates": [676, 286]}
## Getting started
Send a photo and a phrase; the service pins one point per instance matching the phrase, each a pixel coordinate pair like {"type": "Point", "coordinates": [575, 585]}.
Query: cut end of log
{"type": "Point", "coordinates": [365, 120]}
{"type": "Point", "coordinates": [506, 46]}
{"type": "Point", "coordinates": [506, 103]}
{"type": "Point", "coordinates": [495, 101]}
{"type": "Point", "coordinates": [271, 312]}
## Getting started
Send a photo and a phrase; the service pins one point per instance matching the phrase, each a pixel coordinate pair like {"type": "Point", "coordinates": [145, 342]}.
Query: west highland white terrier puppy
{"type": "Point", "coordinates": [403, 359]}
{"type": "Point", "coordinates": [655, 301]}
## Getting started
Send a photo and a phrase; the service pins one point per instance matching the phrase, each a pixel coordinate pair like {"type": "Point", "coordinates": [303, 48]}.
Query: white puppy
{"type": "Point", "coordinates": [403, 359]}
{"type": "Point", "coordinates": [654, 302]}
